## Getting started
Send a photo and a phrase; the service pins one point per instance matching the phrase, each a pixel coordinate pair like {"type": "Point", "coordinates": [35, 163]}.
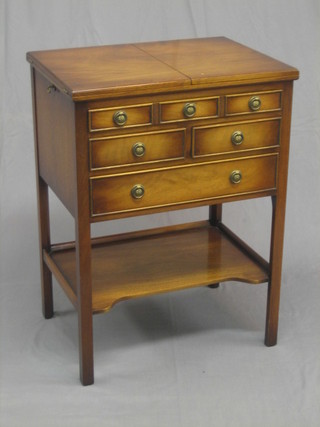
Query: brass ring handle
{"type": "Point", "coordinates": [120, 118]}
{"type": "Point", "coordinates": [189, 109]}
{"type": "Point", "coordinates": [137, 191]}
{"type": "Point", "coordinates": [138, 149]}
{"type": "Point", "coordinates": [255, 103]}
{"type": "Point", "coordinates": [237, 137]}
{"type": "Point", "coordinates": [235, 176]}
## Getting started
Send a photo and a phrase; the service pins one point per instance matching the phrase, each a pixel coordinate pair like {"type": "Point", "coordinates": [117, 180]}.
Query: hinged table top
{"type": "Point", "coordinates": [97, 72]}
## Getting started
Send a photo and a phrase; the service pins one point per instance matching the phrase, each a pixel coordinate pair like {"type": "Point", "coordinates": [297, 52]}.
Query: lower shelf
{"type": "Point", "coordinates": [153, 262]}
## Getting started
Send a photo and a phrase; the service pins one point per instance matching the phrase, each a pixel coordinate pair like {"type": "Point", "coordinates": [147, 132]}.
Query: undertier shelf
{"type": "Point", "coordinates": [168, 259]}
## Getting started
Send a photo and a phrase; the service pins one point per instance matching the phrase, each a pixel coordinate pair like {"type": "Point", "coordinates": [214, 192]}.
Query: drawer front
{"type": "Point", "coordinates": [173, 186]}
{"type": "Point", "coordinates": [175, 111]}
{"type": "Point", "coordinates": [120, 117]}
{"type": "Point", "coordinates": [246, 103]}
{"type": "Point", "coordinates": [242, 136]}
{"type": "Point", "coordinates": [136, 149]}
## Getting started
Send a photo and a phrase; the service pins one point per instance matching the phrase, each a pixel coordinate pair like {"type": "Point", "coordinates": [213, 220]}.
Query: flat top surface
{"type": "Point", "coordinates": [93, 72]}
{"type": "Point", "coordinates": [217, 58]}
{"type": "Point", "coordinates": [84, 71]}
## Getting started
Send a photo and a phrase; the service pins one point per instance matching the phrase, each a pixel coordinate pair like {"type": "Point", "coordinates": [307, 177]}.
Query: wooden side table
{"type": "Point", "coordinates": [136, 129]}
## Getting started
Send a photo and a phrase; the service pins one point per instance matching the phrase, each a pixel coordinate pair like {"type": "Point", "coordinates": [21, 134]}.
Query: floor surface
{"type": "Point", "coordinates": [189, 358]}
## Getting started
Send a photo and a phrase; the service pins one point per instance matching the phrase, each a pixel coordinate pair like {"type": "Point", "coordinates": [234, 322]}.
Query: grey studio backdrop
{"type": "Point", "coordinates": [193, 358]}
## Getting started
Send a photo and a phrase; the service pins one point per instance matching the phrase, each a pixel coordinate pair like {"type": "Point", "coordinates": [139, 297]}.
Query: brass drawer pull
{"type": "Point", "coordinates": [237, 137]}
{"type": "Point", "coordinates": [255, 103]}
{"type": "Point", "coordinates": [137, 191]}
{"type": "Point", "coordinates": [120, 118]}
{"type": "Point", "coordinates": [51, 89]}
{"type": "Point", "coordinates": [189, 110]}
{"type": "Point", "coordinates": [138, 149]}
{"type": "Point", "coordinates": [235, 176]}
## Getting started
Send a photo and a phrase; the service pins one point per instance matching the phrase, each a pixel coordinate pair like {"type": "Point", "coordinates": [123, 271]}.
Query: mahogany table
{"type": "Point", "coordinates": [135, 129]}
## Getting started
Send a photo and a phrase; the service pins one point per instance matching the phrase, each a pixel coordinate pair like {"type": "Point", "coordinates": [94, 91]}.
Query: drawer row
{"type": "Point", "coordinates": [149, 147]}
{"type": "Point", "coordinates": [182, 185]}
{"type": "Point", "coordinates": [129, 116]}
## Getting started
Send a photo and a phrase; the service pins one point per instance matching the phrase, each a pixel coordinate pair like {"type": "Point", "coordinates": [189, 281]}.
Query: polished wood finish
{"type": "Point", "coordinates": [43, 214]}
{"type": "Point", "coordinates": [239, 104]}
{"type": "Point", "coordinates": [183, 185]}
{"type": "Point", "coordinates": [122, 70]}
{"type": "Point", "coordinates": [215, 218]}
{"type": "Point", "coordinates": [205, 108]}
{"type": "Point", "coordinates": [180, 102]}
{"type": "Point", "coordinates": [98, 72]}
{"type": "Point", "coordinates": [83, 250]}
{"type": "Point", "coordinates": [103, 119]}
{"type": "Point", "coordinates": [215, 140]}
{"type": "Point", "coordinates": [278, 219]}
{"type": "Point", "coordinates": [55, 143]}
{"type": "Point", "coordinates": [219, 61]}
{"type": "Point", "coordinates": [129, 268]}
{"type": "Point", "coordinates": [118, 151]}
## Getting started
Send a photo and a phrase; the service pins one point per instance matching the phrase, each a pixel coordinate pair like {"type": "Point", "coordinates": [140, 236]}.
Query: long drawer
{"type": "Point", "coordinates": [181, 185]}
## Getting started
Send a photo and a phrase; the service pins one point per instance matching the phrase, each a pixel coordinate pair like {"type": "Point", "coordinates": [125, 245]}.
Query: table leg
{"type": "Point", "coordinates": [277, 236]}
{"type": "Point", "coordinates": [215, 216]}
{"type": "Point", "coordinates": [84, 297]}
{"type": "Point", "coordinates": [44, 238]}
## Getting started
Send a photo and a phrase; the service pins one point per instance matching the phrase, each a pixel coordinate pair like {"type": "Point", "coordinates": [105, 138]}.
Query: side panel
{"type": "Point", "coordinates": [56, 140]}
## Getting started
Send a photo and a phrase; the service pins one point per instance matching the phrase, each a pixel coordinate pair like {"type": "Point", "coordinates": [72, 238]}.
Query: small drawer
{"type": "Point", "coordinates": [182, 185]}
{"type": "Point", "coordinates": [242, 136]}
{"type": "Point", "coordinates": [136, 149]}
{"type": "Point", "coordinates": [120, 117]}
{"type": "Point", "coordinates": [259, 102]}
{"type": "Point", "coordinates": [192, 109]}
